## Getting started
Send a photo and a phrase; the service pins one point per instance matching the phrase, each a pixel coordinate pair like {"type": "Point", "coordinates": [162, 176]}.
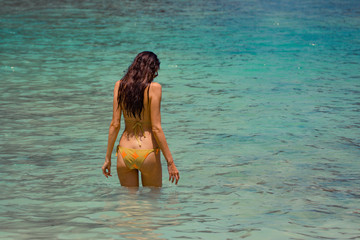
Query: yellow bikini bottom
{"type": "Point", "coordinates": [134, 158]}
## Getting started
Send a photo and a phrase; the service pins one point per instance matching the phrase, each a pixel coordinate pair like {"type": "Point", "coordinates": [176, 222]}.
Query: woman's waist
{"type": "Point", "coordinates": [133, 139]}
{"type": "Point", "coordinates": [134, 122]}
{"type": "Point", "coordinates": [138, 131]}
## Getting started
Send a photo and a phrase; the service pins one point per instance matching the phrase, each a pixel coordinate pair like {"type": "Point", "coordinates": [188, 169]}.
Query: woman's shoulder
{"type": "Point", "coordinates": [155, 87]}
{"type": "Point", "coordinates": [116, 87]}
{"type": "Point", "coordinates": [117, 84]}
{"type": "Point", "coordinates": [155, 90]}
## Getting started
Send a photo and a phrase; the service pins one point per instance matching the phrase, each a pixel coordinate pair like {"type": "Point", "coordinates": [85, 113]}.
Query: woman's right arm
{"type": "Point", "coordinates": [155, 115]}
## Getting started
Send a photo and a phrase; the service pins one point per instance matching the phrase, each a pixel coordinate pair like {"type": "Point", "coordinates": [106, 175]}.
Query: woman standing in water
{"type": "Point", "coordinates": [138, 98]}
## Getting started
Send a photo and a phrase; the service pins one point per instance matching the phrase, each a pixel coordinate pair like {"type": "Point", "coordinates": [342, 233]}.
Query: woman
{"type": "Point", "coordinates": [138, 98]}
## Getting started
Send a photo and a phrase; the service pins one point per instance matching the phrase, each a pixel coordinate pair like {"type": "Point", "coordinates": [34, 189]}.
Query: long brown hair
{"type": "Point", "coordinates": [139, 75]}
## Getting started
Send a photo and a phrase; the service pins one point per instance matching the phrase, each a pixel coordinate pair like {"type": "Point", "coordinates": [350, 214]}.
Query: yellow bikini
{"type": "Point", "coordinates": [134, 158]}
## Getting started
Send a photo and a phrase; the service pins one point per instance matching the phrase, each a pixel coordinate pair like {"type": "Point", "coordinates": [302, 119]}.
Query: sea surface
{"type": "Point", "coordinates": [261, 110]}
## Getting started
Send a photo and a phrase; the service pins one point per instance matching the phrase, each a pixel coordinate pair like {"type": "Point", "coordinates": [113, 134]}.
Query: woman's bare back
{"type": "Point", "coordinates": [139, 130]}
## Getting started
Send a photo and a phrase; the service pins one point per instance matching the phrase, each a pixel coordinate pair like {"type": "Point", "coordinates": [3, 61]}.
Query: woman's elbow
{"type": "Point", "coordinates": [115, 125]}
{"type": "Point", "coordinates": [156, 129]}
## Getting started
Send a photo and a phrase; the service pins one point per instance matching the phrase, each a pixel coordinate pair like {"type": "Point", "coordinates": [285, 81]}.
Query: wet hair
{"type": "Point", "coordinates": [139, 75]}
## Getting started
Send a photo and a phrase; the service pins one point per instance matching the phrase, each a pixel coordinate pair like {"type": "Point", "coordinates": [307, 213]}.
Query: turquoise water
{"type": "Point", "coordinates": [260, 108]}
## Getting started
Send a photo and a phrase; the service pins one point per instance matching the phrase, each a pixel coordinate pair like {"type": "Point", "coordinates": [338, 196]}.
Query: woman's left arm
{"type": "Point", "coordinates": [113, 132]}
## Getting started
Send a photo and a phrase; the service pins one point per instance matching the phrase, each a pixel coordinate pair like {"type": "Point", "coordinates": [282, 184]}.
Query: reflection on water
{"type": "Point", "coordinates": [139, 213]}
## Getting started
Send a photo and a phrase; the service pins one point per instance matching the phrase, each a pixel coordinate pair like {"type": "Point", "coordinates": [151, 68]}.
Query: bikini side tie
{"type": "Point", "coordinates": [137, 128]}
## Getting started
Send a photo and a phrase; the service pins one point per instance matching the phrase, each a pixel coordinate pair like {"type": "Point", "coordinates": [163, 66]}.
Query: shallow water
{"type": "Point", "coordinates": [260, 108]}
